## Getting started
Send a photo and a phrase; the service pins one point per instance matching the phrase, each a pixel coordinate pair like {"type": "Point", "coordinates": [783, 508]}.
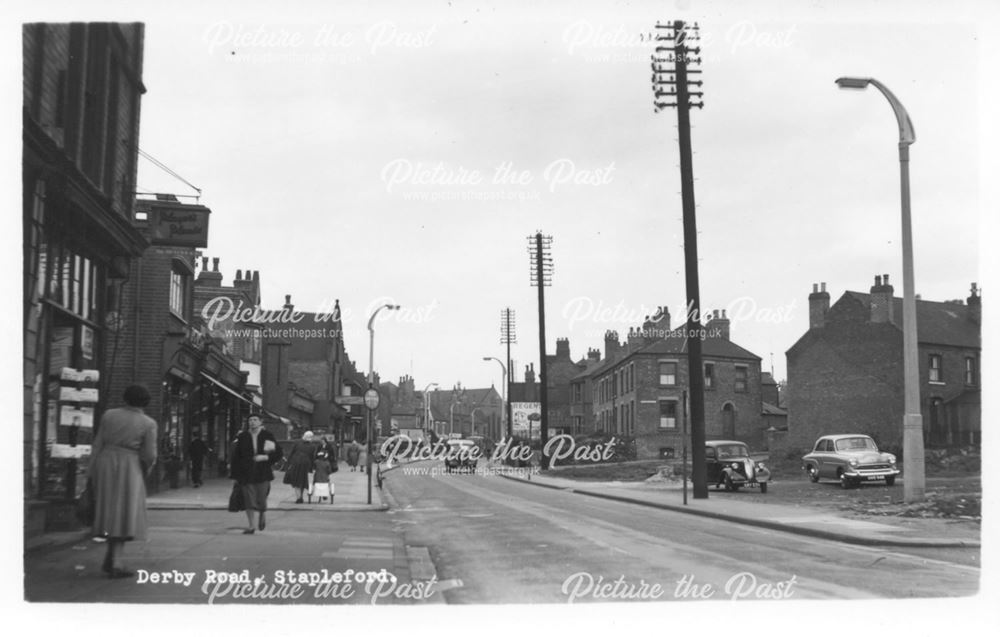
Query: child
{"type": "Point", "coordinates": [322, 487]}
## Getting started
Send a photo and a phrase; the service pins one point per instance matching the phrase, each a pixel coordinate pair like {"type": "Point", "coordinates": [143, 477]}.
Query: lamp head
{"type": "Point", "coordinates": [853, 82]}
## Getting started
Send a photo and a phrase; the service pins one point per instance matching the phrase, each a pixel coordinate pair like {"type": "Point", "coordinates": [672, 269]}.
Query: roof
{"type": "Point", "coordinates": [767, 409]}
{"type": "Point", "coordinates": [715, 347]}
{"type": "Point", "coordinates": [938, 323]}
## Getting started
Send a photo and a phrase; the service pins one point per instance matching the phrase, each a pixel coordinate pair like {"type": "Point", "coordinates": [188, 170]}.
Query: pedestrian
{"type": "Point", "coordinates": [353, 453]}
{"type": "Point", "coordinates": [322, 486]}
{"type": "Point", "coordinates": [329, 447]}
{"type": "Point", "coordinates": [197, 451]}
{"type": "Point", "coordinates": [254, 451]}
{"type": "Point", "coordinates": [300, 465]}
{"type": "Point", "coordinates": [124, 452]}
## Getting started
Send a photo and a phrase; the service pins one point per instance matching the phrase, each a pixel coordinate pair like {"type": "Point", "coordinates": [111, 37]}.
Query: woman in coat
{"type": "Point", "coordinates": [124, 451]}
{"type": "Point", "coordinates": [353, 453]}
{"type": "Point", "coordinates": [254, 451]}
{"type": "Point", "coordinates": [300, 465]}
{"type": "Point", "coordinates": [329, 447]}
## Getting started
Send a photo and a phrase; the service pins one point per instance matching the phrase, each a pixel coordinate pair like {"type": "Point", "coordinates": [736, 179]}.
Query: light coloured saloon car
{"type": "Point", "coordinates": [850, 459]}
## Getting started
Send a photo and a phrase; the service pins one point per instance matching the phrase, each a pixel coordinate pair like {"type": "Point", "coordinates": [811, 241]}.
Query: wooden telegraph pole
{"type": "Point", "coordinates": [671, 61]}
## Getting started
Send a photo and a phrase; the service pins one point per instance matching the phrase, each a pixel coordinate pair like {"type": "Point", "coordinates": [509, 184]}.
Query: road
{"type": "Point", "coordinates": [494, 540]}
{"type": "Point", "coordinates": [478, 538]}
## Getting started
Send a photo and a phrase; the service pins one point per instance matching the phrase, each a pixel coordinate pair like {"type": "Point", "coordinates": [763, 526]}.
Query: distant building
{"type": "Point", "coordinates": [466, 411]}
{"type": "Point", "coordinates": [845, 374]}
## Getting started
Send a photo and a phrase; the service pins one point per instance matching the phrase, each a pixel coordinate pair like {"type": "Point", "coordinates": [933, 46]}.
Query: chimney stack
{"type": "Point", "coordinates": [718, 326]}
{"type": "Point", "coordinates": [529, 374]}
{"type": "Point", "coordinates": [881, 300]}
{"type": "Point", "coordinates": [209, 278]}
{"type": "Point", "coordinates": [562, 349]}
{"type": "Point", "coordinates": [288, 302]}
{"type": "Point", "coordinates": [975, 304]}
{"type": "Point", "coordinates": [611, 344]}
{"type": "Point", "coordinates": [593, 354]}
{"type": "Point", "coordinates": [819, 305]}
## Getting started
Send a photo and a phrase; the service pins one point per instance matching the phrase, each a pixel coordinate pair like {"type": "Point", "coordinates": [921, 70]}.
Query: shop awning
{"type": "Point", "coordinates": [227, 389]}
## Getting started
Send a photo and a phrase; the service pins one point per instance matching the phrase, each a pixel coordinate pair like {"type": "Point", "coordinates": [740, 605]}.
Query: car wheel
{"type": "Point", "coordinates": [845, 482]}
{"type": "Point", "coordinates": [763, 487]}
{"type": "Point", "coordinates": [889, 481]}
{"type": "Point", "coordinates": [813, 473]}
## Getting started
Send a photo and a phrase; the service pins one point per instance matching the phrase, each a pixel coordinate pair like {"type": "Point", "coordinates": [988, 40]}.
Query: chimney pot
{"type": "Point", "coordinates": [878, 280]}
{"type": "Point", "coordinates": [815, 288]}
{"type": "Point", "coordinates": [215, 264]}
{"type": "Point", "coordinates": [822, 286]}
{"type": "Point", "coordinates": [256, 275]}
{"type": "Point", "coordinates": [204, 264]}
{"type": "Point", "coordinates": [288, 299]}
{"type": "Point", "coordinates": [239, 275]}
{"type": "Point", "coordinates": [885, 279]}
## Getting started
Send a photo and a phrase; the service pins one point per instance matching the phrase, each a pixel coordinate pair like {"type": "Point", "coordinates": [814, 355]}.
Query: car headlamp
{"type": "Point", "coordinates": [892, 458]}
{"type": "Point", "coordinates": [854, 462]}
{"type": "Point", "coordinates": [735, 465]}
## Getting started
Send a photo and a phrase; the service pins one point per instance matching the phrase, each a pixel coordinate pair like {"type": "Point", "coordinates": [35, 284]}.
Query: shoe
{"type": "Point", "coordinates": [299, 501]}
{"type": "Point", "coordinates": [260, 522]}
{"type": "Point", "coordinates": [248, 531]}
{"type": "Point", "coordinates": [120, 573]}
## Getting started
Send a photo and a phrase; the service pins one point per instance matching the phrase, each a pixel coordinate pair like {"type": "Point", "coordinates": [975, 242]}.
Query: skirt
{"type": "Point", "coordinates": [255, 495]}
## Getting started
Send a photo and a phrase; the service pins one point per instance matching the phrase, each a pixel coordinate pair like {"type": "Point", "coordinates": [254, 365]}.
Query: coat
{"type": "Point", "coordinates": [353, 453]}
{"type": "Point", "coordinates": [322, 470]}
{"type": "Point", "coordinates": [300, 464]}
{"type": "Point", "coordinates": [243, 468]}
{"type": "Point", "coordinates": [123, 448]}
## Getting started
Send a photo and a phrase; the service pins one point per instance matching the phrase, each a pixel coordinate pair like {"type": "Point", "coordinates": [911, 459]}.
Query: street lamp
{"type": "Point", "coordinates": [913, 427]}
{"type": "Point", "coordinates": [427, 406]}
{"type": "Point", "coordinates": [504, 418]}
{"type": "Point", "coordinates": [371, 381]}
{"type": "Point", "coordinates": [474, 410]}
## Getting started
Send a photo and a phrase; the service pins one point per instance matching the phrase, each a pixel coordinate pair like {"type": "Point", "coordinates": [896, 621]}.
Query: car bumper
{"type": "Point", "coordinates": [871, 474]}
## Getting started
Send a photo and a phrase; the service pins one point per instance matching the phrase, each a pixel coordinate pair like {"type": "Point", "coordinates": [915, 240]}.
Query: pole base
{"type": "Point", "coordinates": [914, 483]}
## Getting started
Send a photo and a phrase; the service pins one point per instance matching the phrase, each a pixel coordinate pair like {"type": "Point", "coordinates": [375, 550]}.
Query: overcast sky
{"type": "Point", "coordinates": [406, 155]}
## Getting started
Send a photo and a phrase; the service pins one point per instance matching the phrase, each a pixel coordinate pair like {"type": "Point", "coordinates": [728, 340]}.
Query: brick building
{"type": "Point", "coordinates": [845, 374]}
{"type": "Point", "coordinates": [82, 84]}
{"type": "Point", "coordinates": [466, 411]}
{"type": "Point", "coordinates": [304, 371]}
{"type": "Point", "coordinates": [640, 387]}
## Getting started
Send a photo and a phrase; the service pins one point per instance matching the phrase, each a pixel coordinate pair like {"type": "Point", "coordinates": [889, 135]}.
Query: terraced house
{"type": "Point", "coordinates": [640, 388]}
{"type": "Point", "coordinates": [845, 374]}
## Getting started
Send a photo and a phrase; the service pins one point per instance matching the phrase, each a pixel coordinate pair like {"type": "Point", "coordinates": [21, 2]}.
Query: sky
{"type": "Point", "coordinates": [400, 154]}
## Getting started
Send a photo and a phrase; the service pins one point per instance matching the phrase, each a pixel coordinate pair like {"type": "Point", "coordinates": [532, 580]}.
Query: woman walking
{"type": "Point", "coordinates": [353, 453]}
{"type": "Point", "coordinates": [254, 451]}
{"type": "Point", "coordinates": [300, 465]}
{"type": "Point", "coordinates": [124, 451]}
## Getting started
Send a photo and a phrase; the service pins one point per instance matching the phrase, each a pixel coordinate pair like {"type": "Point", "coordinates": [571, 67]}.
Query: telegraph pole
{"type": "Point", "coordinates": [539, 246]}
{"type": "Point", "coordinates": [675, 80]}
{"type": "Point", "coordinates": [508, 336]}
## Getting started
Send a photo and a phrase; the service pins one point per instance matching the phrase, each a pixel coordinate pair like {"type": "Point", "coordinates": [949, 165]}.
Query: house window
{"type": "Point", "coordinates": [934, 369]}
{"type": "Point", "coordinates": [970, 371]}
{"type": "Point", "coordinates": [741, 380]}
{"type": "Point", "coordinates": [668, 373]}
{"type": "Point", "coordinates": [631, 376]}
{"type": "Point", "coordinates": [178, 291]}
{"type": "Point", "coordinates": [709, 375]}
{"type": "Point", "coordinates": [577, 393]}
{"type": "Point", "coordinates": [668, 414]}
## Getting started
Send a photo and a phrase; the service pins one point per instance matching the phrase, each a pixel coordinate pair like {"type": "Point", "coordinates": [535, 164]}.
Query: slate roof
{"type": "Point", "coordinates": [938, 323]}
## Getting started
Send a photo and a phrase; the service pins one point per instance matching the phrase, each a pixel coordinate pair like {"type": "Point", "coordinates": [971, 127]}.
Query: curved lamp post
{"type": "Point", "coordinates": [427, 407]}
{"type": "Point", "coordinates": [504, 416]}
{"type": "Point", "coordinates": [371, 380]}
{"type": "Point", "coordinates": [913, 428]}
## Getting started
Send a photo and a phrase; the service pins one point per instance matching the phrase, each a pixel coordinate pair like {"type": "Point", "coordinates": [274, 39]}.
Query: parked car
{"type": "Point", "coordinates": [462, 454]}
{"type": "Point", "coordinates": [851, 459]}
{"type": "Point", "coordinates": [730, 466]}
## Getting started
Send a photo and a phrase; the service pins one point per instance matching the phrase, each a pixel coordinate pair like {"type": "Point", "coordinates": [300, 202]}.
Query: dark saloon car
{"type": "Point", "coordinates": [462, 454]}
{"type": "Point", "coordinates": [851, 459]}
{"type": "Point", "coordinates": [730, 466]}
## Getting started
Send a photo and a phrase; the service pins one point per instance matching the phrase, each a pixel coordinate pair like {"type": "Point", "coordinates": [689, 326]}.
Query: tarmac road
{"type": "Point", "coordinates": [496, 540]}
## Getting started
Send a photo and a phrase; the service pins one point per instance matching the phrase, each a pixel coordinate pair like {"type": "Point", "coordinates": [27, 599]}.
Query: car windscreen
{"type": "Point", "coordinates": [856, 444]}
{"type": "Point", "coordinates": [732, 451]}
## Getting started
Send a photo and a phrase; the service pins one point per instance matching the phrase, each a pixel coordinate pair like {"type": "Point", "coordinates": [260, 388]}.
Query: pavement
{"type": "Point", "coordinates": [350, 495]}
{"type": "Point", "coordinates": [802, 520]}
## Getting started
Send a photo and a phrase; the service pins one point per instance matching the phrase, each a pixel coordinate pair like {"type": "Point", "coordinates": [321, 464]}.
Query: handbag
{"type": "Point", "coordinates": [85, 505]}
{"type": "Point", "coordinates": [236, 502]}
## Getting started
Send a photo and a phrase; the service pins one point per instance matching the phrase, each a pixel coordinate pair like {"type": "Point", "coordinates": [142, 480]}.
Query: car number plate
{"type": "Point", "coordinates": [875, 478]}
